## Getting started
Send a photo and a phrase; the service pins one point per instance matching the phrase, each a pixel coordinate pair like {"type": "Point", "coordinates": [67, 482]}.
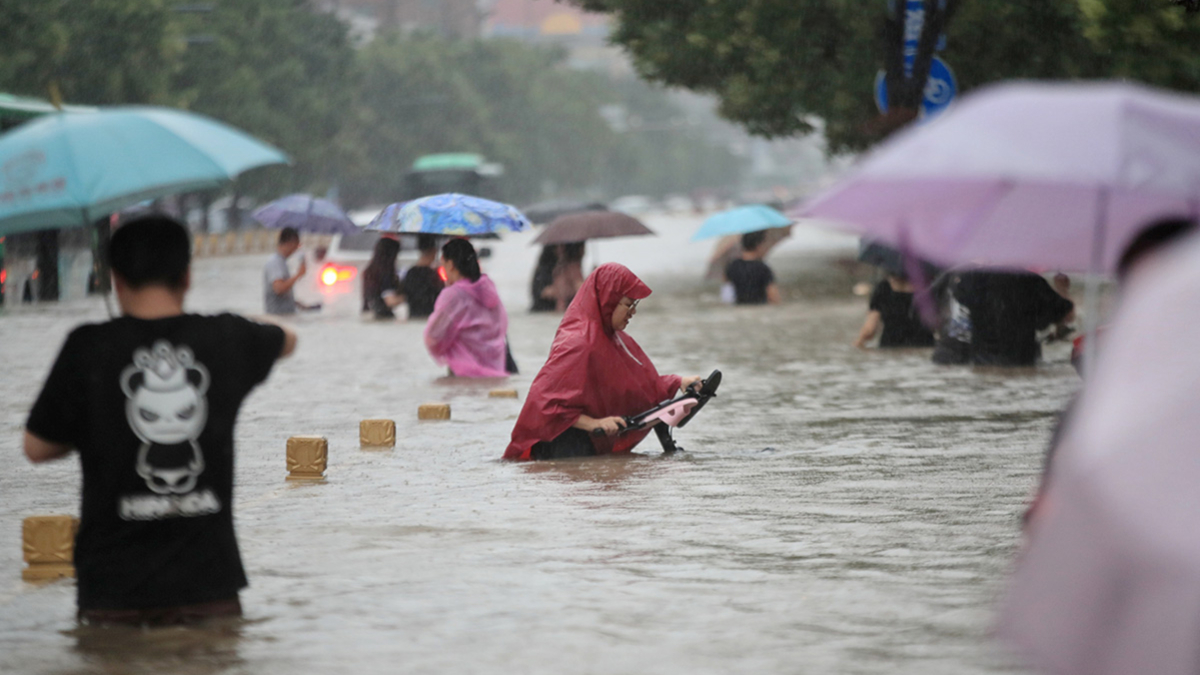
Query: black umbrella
{"type": "Point", "coordinates": [889, 259]}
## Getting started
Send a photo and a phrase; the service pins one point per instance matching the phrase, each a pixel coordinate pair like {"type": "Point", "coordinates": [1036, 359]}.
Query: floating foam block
{"type": "Point", "coordinates": [502, 393]}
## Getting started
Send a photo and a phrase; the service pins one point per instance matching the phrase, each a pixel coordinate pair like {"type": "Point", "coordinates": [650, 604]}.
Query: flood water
{"type": "Point", "coordinates": [836, 511]}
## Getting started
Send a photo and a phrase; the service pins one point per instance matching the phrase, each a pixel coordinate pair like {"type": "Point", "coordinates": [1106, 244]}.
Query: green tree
{"type": "Point", "coordinates": [94, 51]}
{"type": "Point", "coordinates": [1144, 41]}
{"type": "Point", "coordinates": [779, 65]}
{"type": "Point", "coordinates": [280, 71]}
{"type": "Point", "coordinates": [516, 105]}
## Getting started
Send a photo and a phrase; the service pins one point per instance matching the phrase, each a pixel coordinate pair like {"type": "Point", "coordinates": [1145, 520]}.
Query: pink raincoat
{"type": "Point", "coordinates": [467, 329]}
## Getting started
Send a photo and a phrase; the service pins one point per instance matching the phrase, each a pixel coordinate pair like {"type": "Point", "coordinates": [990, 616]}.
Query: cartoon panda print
{"type": "Point", "coordinates": [166, 408]}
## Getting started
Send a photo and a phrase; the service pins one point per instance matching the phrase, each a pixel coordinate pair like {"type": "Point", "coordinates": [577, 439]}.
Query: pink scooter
{"type": "Point", "coordinates": [673, 413]}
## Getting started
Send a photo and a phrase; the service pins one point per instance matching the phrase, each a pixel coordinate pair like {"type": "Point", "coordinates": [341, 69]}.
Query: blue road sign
{"type": "Point", "coordinates": [940, 89]}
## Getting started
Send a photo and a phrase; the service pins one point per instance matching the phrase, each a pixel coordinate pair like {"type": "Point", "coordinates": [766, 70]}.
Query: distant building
{"type": "Point", "coordinates": [535, 20]}
{"type": "Point", "coordinates": [449, 18]}
{"type": "Point", "coordinates": [583, 34]}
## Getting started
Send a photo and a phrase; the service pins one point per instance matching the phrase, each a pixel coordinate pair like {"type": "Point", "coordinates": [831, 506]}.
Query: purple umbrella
{"type": "Point", "coordinates": [305, 213]}
{"type": "Point", "coordinates": [1110, 580]}
{"type": "Point", "coordinates": [1058, 176]}
{"type": "Point", "coordinates": [1019, 175]}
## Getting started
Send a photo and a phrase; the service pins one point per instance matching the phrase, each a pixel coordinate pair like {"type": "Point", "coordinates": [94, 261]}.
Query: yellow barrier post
{"type": "Point", "coordinates": [307, 457]}
{"type": "Point", "coordinates": [48, 543]}
{"type": "Point", "coordinates": [434, 411]}
{"type": "Point", "coordinates": [377, 433]}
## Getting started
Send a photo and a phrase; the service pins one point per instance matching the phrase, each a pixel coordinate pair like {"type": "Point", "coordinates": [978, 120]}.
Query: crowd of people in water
{"type": "Point", "coordinates": [986, 318]}
{"type": "Point", "coordinates": [150, 399]}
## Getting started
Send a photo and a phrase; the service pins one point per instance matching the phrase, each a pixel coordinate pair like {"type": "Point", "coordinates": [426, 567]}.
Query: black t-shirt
{"type": "Point", "coordinates": [750, 279]}
{"type": "Point", "coordinates": [373, 286]}
{"type": "Point", "coordinates": [421, 288]}
{"type": "Point", "coordinates": [902, 326]}
{"type": "Point", "coordinates": [150, 405]}
{"type": "Point", "coordinates": [1007, 310]}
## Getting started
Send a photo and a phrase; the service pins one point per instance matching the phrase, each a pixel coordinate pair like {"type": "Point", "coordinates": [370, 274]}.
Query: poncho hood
{"type": "Point", "coordinates": [592, 369]}
{"type": "Point", "coordinates": [482, 290]}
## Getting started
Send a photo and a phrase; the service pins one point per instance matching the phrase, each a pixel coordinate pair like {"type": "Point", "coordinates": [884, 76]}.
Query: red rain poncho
{"type": "Point", "coordinates": [592, 370]}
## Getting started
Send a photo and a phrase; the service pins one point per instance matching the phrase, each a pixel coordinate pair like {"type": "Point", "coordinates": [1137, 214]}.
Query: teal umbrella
{"type": "Point", "coordinates": [741, 220]}
{"type": "Point", "coordinates": [68, 169]}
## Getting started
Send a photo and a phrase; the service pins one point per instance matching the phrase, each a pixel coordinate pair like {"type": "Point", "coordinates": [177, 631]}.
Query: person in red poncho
{"type": "Point", "coordinates": [595, 375]}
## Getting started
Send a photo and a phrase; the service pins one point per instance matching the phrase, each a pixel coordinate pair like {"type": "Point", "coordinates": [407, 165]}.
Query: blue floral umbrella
{"type": "Point", "coordinates": [450, 214]}
{"type": "Point", "coordinates": [305, 213]}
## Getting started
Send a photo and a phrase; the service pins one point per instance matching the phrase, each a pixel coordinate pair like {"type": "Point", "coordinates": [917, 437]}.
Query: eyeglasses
{"type": "Point", "coordinates": [632, 304]}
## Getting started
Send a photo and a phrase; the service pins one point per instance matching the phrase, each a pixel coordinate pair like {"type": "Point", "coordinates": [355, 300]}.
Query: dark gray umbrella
{"type": "Point", "coordinates": [587, 225]}
{"type": "Point", "coordinates": [305, 213]}
{"type": "Point", "coordinates": [547, 211]}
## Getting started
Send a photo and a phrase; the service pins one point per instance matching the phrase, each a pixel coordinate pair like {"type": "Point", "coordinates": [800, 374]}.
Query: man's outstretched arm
{"type": "Point", "coordinates": [39, 450]}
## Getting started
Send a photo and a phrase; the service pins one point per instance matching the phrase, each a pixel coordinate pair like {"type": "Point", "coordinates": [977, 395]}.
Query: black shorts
{"type": "Point", "coordinates": [570, 443]}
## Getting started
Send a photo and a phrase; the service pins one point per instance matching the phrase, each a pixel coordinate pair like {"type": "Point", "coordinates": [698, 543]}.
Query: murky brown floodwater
{"type": "Point", "coordinates": [837, 511]}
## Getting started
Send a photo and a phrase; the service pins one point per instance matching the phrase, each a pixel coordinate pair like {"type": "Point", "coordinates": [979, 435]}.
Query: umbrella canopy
{"type": "Point", "coordinates": [591, 225]}
{"type": "Point", "coordinates": [68, 169]}
{"type": "Point", "coordinates": [451, 214]}
{"type": "Point", "coordinates": [1110, 580]}
{"type": "Point", "coordinates": [741, 220]}
{"type": "Point", "coordinates": [889, 259]}
{"type": "Point", "coordinates": [547, 211]}
{"type": "Point", "coordinates": [1060, 176]}
{"type": "Point", "coordinates": [305, 213]}
{"type": "Point", "coordinates": [880, 255]}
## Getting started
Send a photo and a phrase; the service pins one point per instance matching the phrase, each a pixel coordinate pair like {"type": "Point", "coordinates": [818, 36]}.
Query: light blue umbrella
{"type": "Point", "coordinates": [305, 213]}
{"type": "Point", "coordinates": [741, 220]}
{"type": "Point", "coordinates": [69, 169]}
{"type": "Point", "coordinates": [450, 214]}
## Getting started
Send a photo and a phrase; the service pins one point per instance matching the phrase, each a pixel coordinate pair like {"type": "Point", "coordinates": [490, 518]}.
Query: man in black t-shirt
{"type": "Point", "coordinates": [422, 284]}
{"type": "Point", "coordinates": [753, 282]}
{"type": "Point", "coordinates": [1007, 309]}
{"type": "Point", "coordinates": [150, 400]}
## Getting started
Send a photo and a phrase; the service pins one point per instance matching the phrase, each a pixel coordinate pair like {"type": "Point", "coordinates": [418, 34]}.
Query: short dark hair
{"type": "Point", "coordinates": [151, 250]}
{"type": "Point", "coordinates": [1151, 238]}
{"type": "Point", "coordinates": [426, 242]}
{"type": "Point", "coordinates": [752, 240]}
{"type": "Point", "coordinates": [462, 254]}
{"type": "Point", "coordinates": [288, 235]}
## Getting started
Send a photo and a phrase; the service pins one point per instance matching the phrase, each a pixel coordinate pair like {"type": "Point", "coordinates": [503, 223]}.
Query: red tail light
{"type": "Point", "coordinates": [332, 274]}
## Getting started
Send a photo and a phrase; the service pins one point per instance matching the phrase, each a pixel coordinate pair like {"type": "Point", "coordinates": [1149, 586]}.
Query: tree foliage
{"type": "Point", "coordinates": [777, 66]}
{"type": "Point", "coordinates": [277, 69]}
{"type": "Point", "coordinates": [357, 118]}
{"type": "Point", "coordinates": [519, 106]}
{"type": "Point", "coordinates": [94, 51]}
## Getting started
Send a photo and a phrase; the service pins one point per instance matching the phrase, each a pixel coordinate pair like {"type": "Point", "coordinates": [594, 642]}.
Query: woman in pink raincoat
{"type": "Point", "coordinates": [467, 328]}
